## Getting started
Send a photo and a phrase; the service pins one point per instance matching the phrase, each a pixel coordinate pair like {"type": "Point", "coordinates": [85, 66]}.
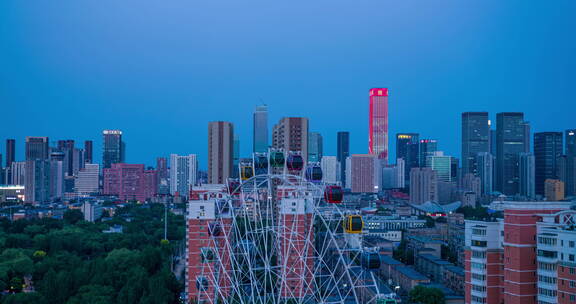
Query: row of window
{"type": "Point", "coordinates": [479, 254]}
{"type": "Point", "coordinates": [546, 279]}
{"type": "Point", "coordinates": [479, 288]}
{"type": "Point", "coordinates": [546, 241]}
{"type": "Point", "coordinates": [478, 231]}
{"type": "Point", "coordinates": [477, 243]}
{"type": "Point", "coordinates": [478, 265]}
{"type": "Point", "coordinates": [547, 266]}
{"type": "Point", "coordinates": [478, 299]}
{"type": "Point", "coordinates": [479, 277]}
{"type": "Point", "coordinates": [546, 292]}
{"type": "Point", "coordinates": [572, 297]}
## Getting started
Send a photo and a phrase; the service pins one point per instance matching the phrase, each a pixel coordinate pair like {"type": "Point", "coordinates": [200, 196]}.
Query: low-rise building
{"type": "Point", "coordinates": [431, 266]}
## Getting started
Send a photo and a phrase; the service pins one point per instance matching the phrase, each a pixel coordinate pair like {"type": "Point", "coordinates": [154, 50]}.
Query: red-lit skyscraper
{"type": "Point", "coordinates": [378, 128]}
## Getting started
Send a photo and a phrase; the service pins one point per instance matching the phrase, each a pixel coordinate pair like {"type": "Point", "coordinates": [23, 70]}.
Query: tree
{"type": "Point", "coordinates": [93, 294]}
{"type": "Point", "coordinates": [73, 216]}
{"type": "Point", "coordinates": [426, 295]}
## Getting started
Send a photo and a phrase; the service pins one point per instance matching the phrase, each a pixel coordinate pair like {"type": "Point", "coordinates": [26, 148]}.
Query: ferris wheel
{"type": "Point", "coordinates": [277, 235]}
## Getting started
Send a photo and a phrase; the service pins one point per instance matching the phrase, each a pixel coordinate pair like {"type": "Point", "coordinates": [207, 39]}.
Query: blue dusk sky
{"type": "Point", "coordinates": [161, 70]}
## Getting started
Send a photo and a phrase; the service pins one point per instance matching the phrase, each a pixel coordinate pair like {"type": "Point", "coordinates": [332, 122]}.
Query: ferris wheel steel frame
{"type": "Point", "coordinates": [280, 242]}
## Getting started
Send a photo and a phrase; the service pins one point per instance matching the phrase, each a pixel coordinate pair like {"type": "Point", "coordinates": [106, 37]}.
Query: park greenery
{"type": "Point", "coordinates": [71, 261]}
{"type": "Point", "coordinates": [426, 295]}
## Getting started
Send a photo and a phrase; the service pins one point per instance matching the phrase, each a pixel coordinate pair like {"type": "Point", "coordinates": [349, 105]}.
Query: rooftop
{"type": "Point", "coordinates": [434, 259]}
{"type": "Point", "coordinates": [411, 273]}
{"type": "Point", "coordinates": [388, 260]}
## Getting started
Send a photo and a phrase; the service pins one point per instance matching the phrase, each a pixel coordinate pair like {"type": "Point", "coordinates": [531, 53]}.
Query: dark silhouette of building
{"type": "Point", "coordinates": [342, 153]}
{"type": "Point", "coordinates": [548, 148]}
{"type": "Point", "coordinates": [88, 152]}
{"type": "Point", "coordinates": [36, 148]}
{"type": "Point", "coordinates": [512, 138]}
{"type": "Point", "coordinates": [10, 152]}
{"type": "Point", "coordinates": [113, 148]}
{"type": "Point", "coordinates": [407, 148]}
{"type": "Point", "coordinates": [475, 138]}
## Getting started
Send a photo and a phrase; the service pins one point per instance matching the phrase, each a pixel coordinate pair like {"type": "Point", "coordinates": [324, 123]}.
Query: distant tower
{"type": "Point", "coordinates": [548, 148]}
{"type": "Point", "coordinates": [314, 147]}
{"type": "Point", "coordinates": [512, 134]}
{"type": "Point", "coordinates": [10, 152]}
{"type": "Point", "coordinates": [343, 151]}
{"type": "Point", "coordinates": [183, 170]}
{"type": "Point", "coordinates": [570, 136]}
{"type": "Point", "coordinates": [526, 178]}
{"type": "Point", "coordinates": [407, 148]}
{"type": "Point", "coordinates": [261, 129]}
{"type": "Point", "coordinates": [423, 185]}
{"type": "Point", "coordinates": [365, 173]}
{"type": "Point", "coordinates": [427, 148]}
{"type": "Point", "coordinates": [88, 152]}
{"type": "Point", "coordinates": [236, 156]}
{"type": "Point", "coordinates": [291, 134]}
{"type": "Point", "coordinates": [220, 151]}
{"type": "Point", "coordinates": [36, 148]}
{"type": "Point", "coordinates": [67, 147]}
{"type": "Point", "coordinates": [475, 138]}
{"type": "Point", "coordinates": [485, 170]}
{"type": "Point", "coordinates": [113, 148]}
{"type": "Point", "coordinates": [378, 124]}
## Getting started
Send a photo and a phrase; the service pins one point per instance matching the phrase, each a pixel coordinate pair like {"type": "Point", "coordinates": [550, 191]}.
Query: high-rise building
{"type": "Point", "coordinates": [485, 171]}
{"type": "Point", "coordinates": [554, 190]}
{"type": "Point", "coordinates": [18, 171]}
{"type": "Point", "coordinates": [86, 183]}
{"type": "Point", "coordinates": [515, 260]}
{"type": "Point", "coordinates": [527, 175]}
{"type": "Point", "coordinates": [548, 147]}
{"type": "Point", "coordinates": [330, 170]}
{"type": "Point", "coordinates": [37, 148]}
{"type": "Point", "coordinates": [475, 138]}
{"type": "Point", "coordinates": [10, 152]}
{"type": "Point", "coordinates": [427, 148]}
{"type": "Point", "coordinates": [291, 134]}
{"type": "Point", "coordinates": [407, 148]}
{"type": "Point", "coordinates": [113, 148]}
{"type": "Point", "coordinates": [220, 151]}
{"type": "Point", "coordinates": [183, 171]}
{"type": "Point", "coordinates": [393, 176]}
{"type": "Point", "coordinates": [378, 124]}
{"type": "Point", "coordinates": [493, 143]}
{"type": "Point", "coordinates": [260, 130]}
{"type": "Point", "coordinates": [442, 164]}
{"type": "Point", "coordinates": [57, 183]}
{"type": "Point", "coordinates": [236, 157]}
{"type": "Point", "coordinates": [342, 153]}
{"type": "Point", "coordinates": [88, 152]}
{"type": "Point", "coordinates": [365, 173]}
{"type": "Point", "coordinates": [37, 178]}
{"type": "Point", "coordinates": [314, 147]}
{"type": "Point", "coordinates": [67, 147]}
{"type": "Point", "coordinates": [512, 134]}
{"type": "Point", "coordinates": [163, 175]}
{"type": "Point", "coordinates": [423, 185]}
{"type": "Point", "coordinates": [129, 182]}
{"type": "Point", "coordinates": [570, 162]}
{"type": "Point", "coordinates": [455, 170]}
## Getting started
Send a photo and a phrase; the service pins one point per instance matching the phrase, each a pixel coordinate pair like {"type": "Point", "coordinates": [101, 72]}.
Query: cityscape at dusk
{"type": "Point", "coordinates": [227, 152]}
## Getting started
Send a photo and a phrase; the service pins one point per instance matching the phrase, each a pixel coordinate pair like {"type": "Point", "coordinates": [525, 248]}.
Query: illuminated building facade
{"type": "Point", "coordinates": [378, 128]}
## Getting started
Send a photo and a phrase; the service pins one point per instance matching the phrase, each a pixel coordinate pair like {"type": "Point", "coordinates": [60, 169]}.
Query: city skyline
{"type": "Point", "coordinates": [461, 64]}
